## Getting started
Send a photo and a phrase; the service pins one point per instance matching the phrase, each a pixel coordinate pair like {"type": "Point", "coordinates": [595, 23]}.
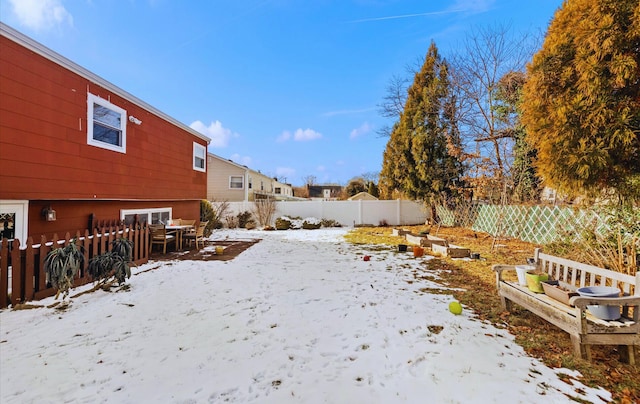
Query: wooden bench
{"type": "Point", "coordinates": [574, 318]}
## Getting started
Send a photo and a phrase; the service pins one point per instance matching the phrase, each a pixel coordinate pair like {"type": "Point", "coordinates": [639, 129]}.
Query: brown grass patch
{"type": "Point", "coordinates": [539, 338]}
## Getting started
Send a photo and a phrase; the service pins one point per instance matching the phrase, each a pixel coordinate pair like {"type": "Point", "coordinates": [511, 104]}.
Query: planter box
{"type": "Point", "coordinates": [452, 251]}
{"type": "Point", "coordinates": [429, 241]}
{"type": "Point", "coordinates": [424, 240]}
{"type": "Point", "coordinates": [399, 232]}
{"type": "Point", "coordinates": [557, 292]}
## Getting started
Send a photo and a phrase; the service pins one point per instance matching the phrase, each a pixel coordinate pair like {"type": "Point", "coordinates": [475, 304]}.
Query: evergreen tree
{"type": "Point", "coordinates": [393, 162]}
{"type": "Point", "coordinates": [418, 162]}
{"type": "Point", "coordinates": [372, 189]}
{"type": "Point", "coordinates": [581, 102]}
{"type": "Point", "coordinates": [523, 179]}
{"type": "Point", "coordinates": [355, 186]}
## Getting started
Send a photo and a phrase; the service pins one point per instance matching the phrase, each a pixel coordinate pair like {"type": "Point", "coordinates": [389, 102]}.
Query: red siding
{"type": "Point", "coordinates": [44, 153]}
{"type": "Point", "coordinates": [72, 216]}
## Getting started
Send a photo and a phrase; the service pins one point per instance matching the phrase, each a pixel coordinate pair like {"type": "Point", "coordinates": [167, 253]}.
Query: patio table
{"type": "Point", "coordinates": [179, 229]}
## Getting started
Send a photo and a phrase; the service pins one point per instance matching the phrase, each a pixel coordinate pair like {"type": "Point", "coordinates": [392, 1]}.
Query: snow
{"type": "Point", "coordinates": [299, 317]}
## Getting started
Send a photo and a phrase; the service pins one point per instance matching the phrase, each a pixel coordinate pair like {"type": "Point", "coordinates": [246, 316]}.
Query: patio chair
{"type": "Point", "coordinates": [189, 222]}
{"type": "Point", "coordinates": [198, 235]}
{"type": "Point", "coordinates": [160, 236]}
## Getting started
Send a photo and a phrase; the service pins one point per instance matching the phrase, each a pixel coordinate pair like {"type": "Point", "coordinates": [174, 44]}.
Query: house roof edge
{"type": "Point", "coordinates": [35, 46]}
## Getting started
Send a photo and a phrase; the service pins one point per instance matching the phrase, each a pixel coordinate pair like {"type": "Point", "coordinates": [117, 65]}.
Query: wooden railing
{"type": "Point", "coordinates": [25, 264]}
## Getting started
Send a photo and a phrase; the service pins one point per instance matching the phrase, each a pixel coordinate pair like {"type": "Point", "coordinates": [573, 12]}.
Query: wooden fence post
{"type": "Point", "coordinates": [112, 231]}
{"type": "Point", "coordinates": [86, 243]}
{"type": "Point", "coordinates": [44, 250]}
{"type": "Point", "coordinates": [102, 241]}
{"type": "Point", "coordinates": [4, 273]}
{"type": "Point", "coordinates": [17, 274]}
{"type": "Point", "coordinates": [29, 276]}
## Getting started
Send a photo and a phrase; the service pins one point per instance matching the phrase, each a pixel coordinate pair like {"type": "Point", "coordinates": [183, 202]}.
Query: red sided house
{"type": "Point", "coordinates": [75, 149]}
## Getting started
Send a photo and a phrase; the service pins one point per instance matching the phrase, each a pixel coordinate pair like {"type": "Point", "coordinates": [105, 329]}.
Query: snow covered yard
{"type": "Point", "coordinates": [299, 317]}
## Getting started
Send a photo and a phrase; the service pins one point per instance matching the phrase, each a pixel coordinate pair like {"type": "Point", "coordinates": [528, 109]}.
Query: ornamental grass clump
{"type": "Point", "coordinates": [61, 266]}
{"type": "Point", "coordinates": [112, 266]}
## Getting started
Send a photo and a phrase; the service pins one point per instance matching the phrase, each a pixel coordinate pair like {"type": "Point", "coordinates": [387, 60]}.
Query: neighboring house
{"type": "Point", "coordinates": [233, 182]}
{"type": "Point", "coordinates": [362, 196]}
{"type": "Point", "coordinates": [75, 149]}
{"type": "Point", "coordinates": [324, 192]}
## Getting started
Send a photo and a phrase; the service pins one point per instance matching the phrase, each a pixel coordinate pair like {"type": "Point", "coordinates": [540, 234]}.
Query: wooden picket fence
{"type": "Point", "coordinates": [25, 264]}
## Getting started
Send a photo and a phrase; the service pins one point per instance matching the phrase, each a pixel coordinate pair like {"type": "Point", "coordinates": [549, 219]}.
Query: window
{"type": "Point", "coordinates": [151, 216]}
{"type": "Point", "coordinates": [199, 157]}
{"type": "Point", "coordinates": [278, 191]}
{"type": "Point", "coordinates": [236, 182]}
{"type": "Point", "coordinates": [13, 220]}
{"type": "Point", "coordinates": [107, 124]}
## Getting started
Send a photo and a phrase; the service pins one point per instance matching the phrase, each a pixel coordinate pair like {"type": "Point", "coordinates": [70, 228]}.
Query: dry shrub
{"type": "Point", "coordinates": [263, 211]}
{"type": "Point", "coordinates": [610, 239]}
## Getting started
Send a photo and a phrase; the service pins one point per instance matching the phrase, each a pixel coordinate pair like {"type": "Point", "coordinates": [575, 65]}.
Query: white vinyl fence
{"type": "Point", "coordinates": [347, 213]}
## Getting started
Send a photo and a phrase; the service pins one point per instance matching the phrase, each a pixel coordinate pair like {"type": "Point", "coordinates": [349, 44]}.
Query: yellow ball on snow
{"type": "Point", "coordinates": [455, 307]}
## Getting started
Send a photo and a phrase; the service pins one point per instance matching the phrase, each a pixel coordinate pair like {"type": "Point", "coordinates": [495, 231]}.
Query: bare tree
{"type": "Point", "coordinates": [394, 101]}
{"type": "Point", "coordinates": [309, 179]}
{"type": "Point", "coordinates": [370, 176]}
{"type": "Point", "coordinates": [486, 57]}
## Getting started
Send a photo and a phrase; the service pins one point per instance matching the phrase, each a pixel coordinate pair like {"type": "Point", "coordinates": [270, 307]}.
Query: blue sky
{"type": "Point", "coordinates": [287, 87]}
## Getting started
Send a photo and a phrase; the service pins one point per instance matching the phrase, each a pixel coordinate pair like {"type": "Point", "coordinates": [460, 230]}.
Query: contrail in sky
{"type": "Point", "coordinates": [394, 17]}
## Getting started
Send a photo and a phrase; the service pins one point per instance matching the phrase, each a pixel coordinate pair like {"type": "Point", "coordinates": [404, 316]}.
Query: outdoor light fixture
{"type": "Point", "coordinates": [134, 120]}
{"type": "Point", "coordinates": [49, 214]}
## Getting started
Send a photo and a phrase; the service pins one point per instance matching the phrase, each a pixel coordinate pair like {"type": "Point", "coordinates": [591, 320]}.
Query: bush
{"type": "Point", "coordinates": [610, 239]}
{"type": "Point", "coordinates": [263, 210]}
{"type": "Point", "coordinates": [244, 218]}
{"type": "Point", "coordinates": [311, 224]}
{"type": "Point", "coordinates": [283, 223]}
{"type": "Point", "coordinates": [330, 223]}
{"type": "Point", "coordinates": [213, 212]}
{"type": "Point", "coordinates": [61, 266]}
{"type": "Point", "coordinates": [115, 262]}
{"type": "Point", "coordinates": [232, 221]}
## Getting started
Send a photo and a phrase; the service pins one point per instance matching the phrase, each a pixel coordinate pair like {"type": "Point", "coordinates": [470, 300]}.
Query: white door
{"type": "Point", "coordinates": [13, 219]}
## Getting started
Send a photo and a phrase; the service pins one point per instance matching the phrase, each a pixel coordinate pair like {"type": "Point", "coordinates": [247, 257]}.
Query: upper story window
{"type": "Point", "coordinates": [236, 182]}
{"type": "Point", "coordinates": [107, 124]}
{"type": "Point", "coordinates": [278, 190]}
{"type": "Point", "coordinates": [199, 157]}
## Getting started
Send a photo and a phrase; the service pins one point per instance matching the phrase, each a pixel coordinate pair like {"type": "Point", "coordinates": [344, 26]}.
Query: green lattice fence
{"type": "Point", "coordinates": [536, 224]}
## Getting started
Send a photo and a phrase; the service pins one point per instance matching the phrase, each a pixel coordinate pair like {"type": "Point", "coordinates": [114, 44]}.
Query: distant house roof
{"type": "Point", "coordinates": [362, 196]}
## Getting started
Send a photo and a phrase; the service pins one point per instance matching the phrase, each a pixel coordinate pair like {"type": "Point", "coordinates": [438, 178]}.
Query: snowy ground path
{"type": "Point", "coordinates": [297, 318]}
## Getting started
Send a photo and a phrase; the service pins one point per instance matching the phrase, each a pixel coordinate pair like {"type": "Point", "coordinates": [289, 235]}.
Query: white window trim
{"type": "Point", "coordinates": [94, 99]}
{"type": "Point", "coordinates": [148, 212]}
{"type": "Point", "coordinates": [21, 210]}
{"type": "Point", "coordinates": [197, 147]}
{"type": "Point", "coordinates": [237, 176]}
